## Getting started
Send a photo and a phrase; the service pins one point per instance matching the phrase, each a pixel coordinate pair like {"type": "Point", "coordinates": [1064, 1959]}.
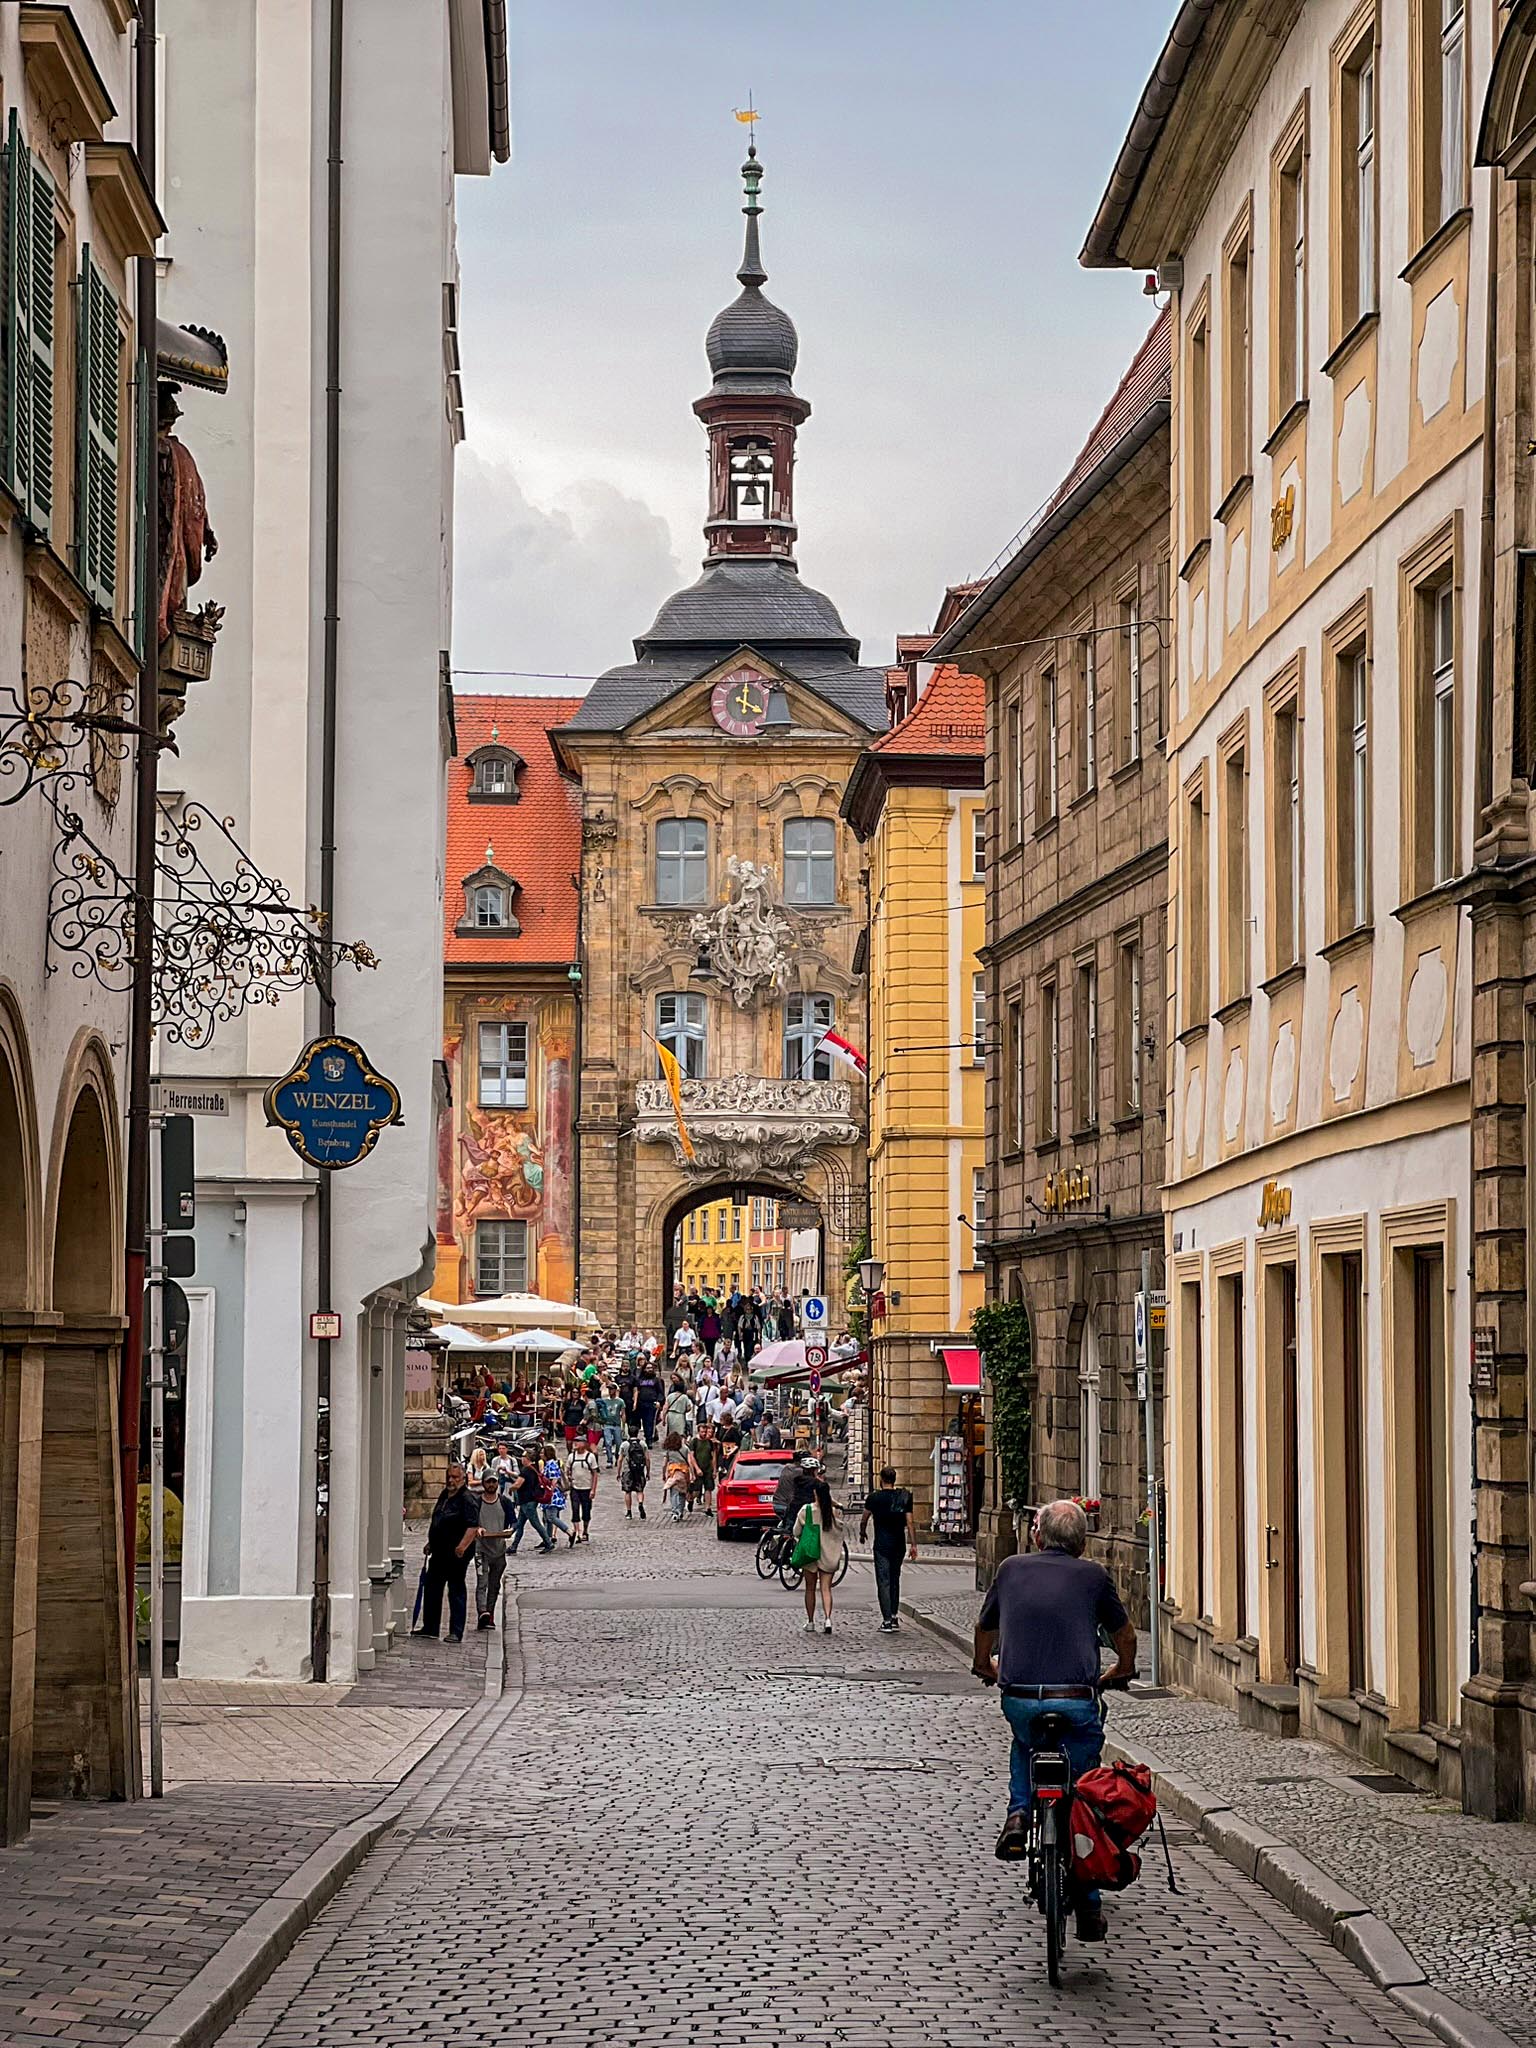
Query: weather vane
{"type": "Point", "coordinates": [748, 117]}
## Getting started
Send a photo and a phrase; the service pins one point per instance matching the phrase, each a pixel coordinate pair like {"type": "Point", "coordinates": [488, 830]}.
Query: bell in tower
{"type": "Point", "coordinates": [752, 410]}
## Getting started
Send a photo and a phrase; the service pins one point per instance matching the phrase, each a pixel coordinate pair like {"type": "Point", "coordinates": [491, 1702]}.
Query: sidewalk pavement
{"type": "Point", "coordinates": [274, 1794]}
{"type": "Point", "coordinates": [1438, 1906]}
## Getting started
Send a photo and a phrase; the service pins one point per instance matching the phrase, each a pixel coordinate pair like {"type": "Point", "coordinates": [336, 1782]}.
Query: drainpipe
{"type": "Point", "coordinates": [146, 792]}
{"type": "Point", "coordinates": [320, 1604]}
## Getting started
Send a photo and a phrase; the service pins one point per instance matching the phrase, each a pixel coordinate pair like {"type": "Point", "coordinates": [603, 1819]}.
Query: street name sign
{"type": "Point", "coordinates": [331, 1103]}
{"type": "Point", "coordinates": [180, 1099]}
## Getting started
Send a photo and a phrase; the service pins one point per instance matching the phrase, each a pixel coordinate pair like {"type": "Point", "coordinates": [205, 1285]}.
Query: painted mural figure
{"type": "Point", "coordinates": [501, 1169]}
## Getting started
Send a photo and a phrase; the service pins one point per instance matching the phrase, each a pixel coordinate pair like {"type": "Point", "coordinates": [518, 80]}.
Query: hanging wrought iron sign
{"type": "Point", "coordinates": [332, 1104]}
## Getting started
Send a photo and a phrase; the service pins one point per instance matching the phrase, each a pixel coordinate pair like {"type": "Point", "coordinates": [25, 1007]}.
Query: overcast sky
{"type": "Point", "coordinates": [931, 167]}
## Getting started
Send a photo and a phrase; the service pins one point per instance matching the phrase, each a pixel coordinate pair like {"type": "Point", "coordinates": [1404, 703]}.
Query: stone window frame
{"type": "Point", "coordinates": [1087, 1043]}
{"type": "Point", "coordinates": [1048, 1061]}
{"type": "Point", "coordinates": [510, 1025]}
{"type": "Point", "coordinates": [1428, 210]}
{"type": "Point", "coordinates": [1130, 1017]}
{"type": "Point", "coordinates": [1234, 881]}
{"type": "Point", "coordinates": [818, 862]}
{"type": "Point", "coordinates": [1237, 357]}
{"type": "Point", "coordinates": [685, 1029]}
{"type": "Point", "coordinates": [1350, 636]}
{"type": "Point", "coordinates": [1013, 1074]}
{"type": "Point", "coordinates": [1011, 769]}
{"type": "Point", "coordinates": [1047, 691]}
{"type": "Point", "coordinates": [1353, 298]}
{"type": "Point", "coordinates": [1334, 1238]}
{"type": "Point", "coordinates": [1437, 562]}
{"type": "Point", "coordinates": [1195, 899]}
{"type": "Point", "coordinates": [1290, 191]}
{"type": "Point", "coordinates": [1087, 705]}
{"type": "Point", "coordinates": [1285, 872]}
{"type": "Point", "coordinates": [1415, 1228]}
{"type": "Point", "coordinates": [682, 854]}
{"type": "Point", "coordinates": [1128, 713]}
{"type": "Point", "coordinates": [1195, 436]}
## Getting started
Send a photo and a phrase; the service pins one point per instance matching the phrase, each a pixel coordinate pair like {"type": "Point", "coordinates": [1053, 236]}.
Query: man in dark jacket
{"type": "Point", "coordinates": [450, 1538]}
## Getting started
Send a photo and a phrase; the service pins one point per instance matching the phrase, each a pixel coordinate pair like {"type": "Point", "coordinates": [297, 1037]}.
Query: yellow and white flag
{"type": "Point", "coordinates": [674, 1079]}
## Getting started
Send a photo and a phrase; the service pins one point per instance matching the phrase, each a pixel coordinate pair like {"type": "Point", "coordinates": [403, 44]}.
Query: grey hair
{"type": "Point", "coordinates": [1062, 1526]}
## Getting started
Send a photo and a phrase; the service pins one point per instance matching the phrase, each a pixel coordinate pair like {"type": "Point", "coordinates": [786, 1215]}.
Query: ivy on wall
{"type": "Point", "coordinates": [1001, 1330]}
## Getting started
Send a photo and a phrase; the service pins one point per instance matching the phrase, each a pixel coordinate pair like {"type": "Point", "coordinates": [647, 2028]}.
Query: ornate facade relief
{"type": "Point", "coordinates": [748, 937]}
{"type": "Point", "coordinates": [744, 1122]}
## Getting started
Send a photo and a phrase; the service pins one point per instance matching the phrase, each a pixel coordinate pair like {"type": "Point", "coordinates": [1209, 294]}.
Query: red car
{"type": "Point", "coordinates": [744, 1500]}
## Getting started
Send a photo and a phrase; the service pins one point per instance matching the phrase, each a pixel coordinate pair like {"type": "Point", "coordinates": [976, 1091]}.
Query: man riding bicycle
{"type": "Point", "coordinates": [1037, 1639]}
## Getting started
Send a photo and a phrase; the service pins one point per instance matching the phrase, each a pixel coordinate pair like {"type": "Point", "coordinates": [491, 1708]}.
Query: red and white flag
{"type": "Point", "coordinates": [842, 1050]}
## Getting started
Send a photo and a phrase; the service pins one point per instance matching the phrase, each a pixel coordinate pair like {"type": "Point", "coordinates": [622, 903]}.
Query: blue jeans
{"type": "Point", "coordinates": [1082, 1739]}
{"type": "Point", "coordinates": [611, 1442]}
{"type": "Point", "coordinates": [529, 1511]}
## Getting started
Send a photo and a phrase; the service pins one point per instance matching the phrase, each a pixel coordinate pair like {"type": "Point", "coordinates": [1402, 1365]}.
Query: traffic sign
{"type": "Point", "coordinates": [814, 1310]}
{"type": "Point", "coordinates": [815, 1382]}
{"type": "Point", "coordinates": [815, 1356]}
{"type": "Point", "coordinates": [1141, 1328]}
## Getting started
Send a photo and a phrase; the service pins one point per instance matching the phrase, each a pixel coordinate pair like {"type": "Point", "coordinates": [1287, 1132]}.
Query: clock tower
{"type": "Point", "coordinates": [722, 899]}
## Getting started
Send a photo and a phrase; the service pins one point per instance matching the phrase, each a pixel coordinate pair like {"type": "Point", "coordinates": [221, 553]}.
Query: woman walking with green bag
{"type": "Point", "coordinates": [818, 1552]}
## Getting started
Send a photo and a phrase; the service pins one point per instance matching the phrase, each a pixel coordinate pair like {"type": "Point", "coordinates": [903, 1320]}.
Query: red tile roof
{"type": "Point", "coordinates": [537, 840]}
{"type": "Point", "coordinates": [951, 718]}
{"type": "Point", "coordinates": [1148, 379]}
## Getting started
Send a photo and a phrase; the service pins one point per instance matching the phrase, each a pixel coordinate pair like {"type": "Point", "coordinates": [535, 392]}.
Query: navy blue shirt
{"type": "Point", "coordinates": [1048, 1608]}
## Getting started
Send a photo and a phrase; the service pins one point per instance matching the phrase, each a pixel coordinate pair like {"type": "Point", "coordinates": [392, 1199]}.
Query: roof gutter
{"type": "Point", "coordinates": [499, 104]}
{"type": "Point", "coordinates": [1101, 250]}
{"type": "Point", "coordinates": [951, 645]}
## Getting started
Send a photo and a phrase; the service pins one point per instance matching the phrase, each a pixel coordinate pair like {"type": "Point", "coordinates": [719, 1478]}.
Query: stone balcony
{"type": "Point", "coordinates": [742, 1124]}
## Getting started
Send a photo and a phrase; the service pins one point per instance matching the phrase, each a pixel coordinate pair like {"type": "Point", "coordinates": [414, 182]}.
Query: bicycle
{"type": "Point", "coordinates": [774, 1549]}
{"type": "Point", "coordinates": [1050, 1843]}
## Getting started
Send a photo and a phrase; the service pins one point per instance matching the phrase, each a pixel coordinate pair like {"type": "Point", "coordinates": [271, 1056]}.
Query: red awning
{"type": "Point", "coordinates": [963, 1367]}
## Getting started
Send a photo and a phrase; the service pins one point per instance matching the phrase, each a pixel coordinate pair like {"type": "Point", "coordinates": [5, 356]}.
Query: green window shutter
{"type": "Point", "coordinates": [99, 369]}
{"type": "Point", "coordinates": [42, 251]}
{"type": "Point", "coordinates": [145, 398]}
{"type": "Point", "coordinates": [16, 280]}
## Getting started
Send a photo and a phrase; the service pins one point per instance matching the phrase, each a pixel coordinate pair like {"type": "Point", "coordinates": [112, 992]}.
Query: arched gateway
{"type": "Point", "coordinates": [722, 896]}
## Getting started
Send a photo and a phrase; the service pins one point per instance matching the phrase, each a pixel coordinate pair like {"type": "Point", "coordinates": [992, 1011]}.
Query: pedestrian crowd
{"type": "Point", "coordinates": [643, 1409]}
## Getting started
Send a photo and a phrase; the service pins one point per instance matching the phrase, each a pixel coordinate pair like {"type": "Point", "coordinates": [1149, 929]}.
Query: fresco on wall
{"type": "Point", "coordinates": [501, 1165]}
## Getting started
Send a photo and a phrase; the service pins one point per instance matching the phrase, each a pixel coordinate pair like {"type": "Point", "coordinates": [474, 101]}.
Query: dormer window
{"type": "Point", "coordinates": [751, 480]}
{"type": "Point", "coordinates": [493, 773]}
{"type": "Point", "coordinates": [489, 896]}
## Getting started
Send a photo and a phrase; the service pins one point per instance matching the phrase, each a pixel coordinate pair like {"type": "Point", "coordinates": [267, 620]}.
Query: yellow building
{"type": "Point", "coordinates": [712, 1248]}
{"type": "Point", "coordinates": [916, 801]}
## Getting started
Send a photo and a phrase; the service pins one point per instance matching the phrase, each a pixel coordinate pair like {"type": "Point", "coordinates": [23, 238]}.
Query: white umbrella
{"type": "Point", "coordinates": [531, 1311]}
{"type": "Point", "coordinates": [527, 1340]}
{"type": "Point", "coordinates": [457, 1338]}
{"type": "Point", "coordinates": [785, 1354]}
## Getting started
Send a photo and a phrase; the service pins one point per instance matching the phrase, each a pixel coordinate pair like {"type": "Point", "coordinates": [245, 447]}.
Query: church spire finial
{"type": "Point", "coordinates": [751, 271]}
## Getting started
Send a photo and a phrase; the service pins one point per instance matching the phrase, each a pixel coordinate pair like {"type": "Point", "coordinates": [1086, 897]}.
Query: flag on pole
{"type": "Point", "coordinates": [840, 1049]}
{"type": "Point", "coordinates": [674, 1079]}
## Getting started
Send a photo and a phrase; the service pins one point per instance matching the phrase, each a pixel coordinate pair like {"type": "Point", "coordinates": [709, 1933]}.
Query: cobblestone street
{"type": "Point", "coordinates": [691, 1822]}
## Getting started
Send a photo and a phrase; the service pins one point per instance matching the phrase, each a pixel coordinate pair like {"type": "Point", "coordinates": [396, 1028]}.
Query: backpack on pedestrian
{"type": "Point", "coordinates": [1113, 1806]}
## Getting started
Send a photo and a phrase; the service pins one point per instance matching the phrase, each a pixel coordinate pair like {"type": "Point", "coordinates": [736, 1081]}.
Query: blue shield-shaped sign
{"type": "Point", "coordinates": [332, 1104]}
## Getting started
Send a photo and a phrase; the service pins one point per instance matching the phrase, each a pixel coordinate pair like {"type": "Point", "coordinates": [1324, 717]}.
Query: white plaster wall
{"type": "Point", "coordinates": [246, 145]}
{"type": "Point", "coordinates": [1386, 1177]}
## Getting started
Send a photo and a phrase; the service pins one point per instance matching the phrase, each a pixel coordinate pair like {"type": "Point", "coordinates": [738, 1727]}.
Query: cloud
{"type": "Point", "coordinates": [559, 589]}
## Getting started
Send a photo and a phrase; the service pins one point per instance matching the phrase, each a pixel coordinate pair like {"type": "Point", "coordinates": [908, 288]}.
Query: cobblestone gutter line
{"type": "Point", "coordinates": [204, 2007]}
{"type": "Point", "coordinates": [1294, 1879]}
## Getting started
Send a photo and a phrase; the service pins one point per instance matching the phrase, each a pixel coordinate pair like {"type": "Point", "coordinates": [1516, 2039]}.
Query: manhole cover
{"type": "Point", "coordinates": [1381, 1781]}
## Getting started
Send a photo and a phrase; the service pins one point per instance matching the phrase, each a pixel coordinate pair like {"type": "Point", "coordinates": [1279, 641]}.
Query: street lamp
{"type": "Point", "coordinates": [871, 1276]}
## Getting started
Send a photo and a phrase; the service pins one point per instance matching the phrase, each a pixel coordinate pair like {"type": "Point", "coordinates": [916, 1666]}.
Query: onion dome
{"type": "Point", "coordinates": [752, 339]}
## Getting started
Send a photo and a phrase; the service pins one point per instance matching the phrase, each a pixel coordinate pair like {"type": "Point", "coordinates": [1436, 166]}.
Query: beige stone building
{"type": "Point", "coordinates": [1069, 635]}
{"type": "Point", "coordinates": [81, 399]}
{"type": "Point", "coordinates": [1499, 1699]}
{"type": "Point", "coordinates": [721, 901]}
{"type": "Point", "coordinates": [1304, 192]}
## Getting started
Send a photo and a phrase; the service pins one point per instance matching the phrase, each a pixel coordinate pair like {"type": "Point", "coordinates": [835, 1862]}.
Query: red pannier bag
{"type": "Point", "coordinates": [1113, 1805]}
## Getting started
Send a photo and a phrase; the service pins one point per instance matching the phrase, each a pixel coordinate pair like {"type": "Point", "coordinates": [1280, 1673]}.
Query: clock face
{"type": "Point", "coordinates": [739, 702]}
